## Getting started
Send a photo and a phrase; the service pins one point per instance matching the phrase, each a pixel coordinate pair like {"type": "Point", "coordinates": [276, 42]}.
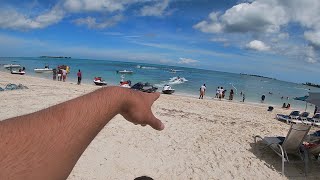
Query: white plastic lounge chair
{"type": "Point", "coordinates": [294, 115]}
{"type": "Point", "coordinates": [289, 146]}
{"type": "Point", "coordinates": [316, 120]}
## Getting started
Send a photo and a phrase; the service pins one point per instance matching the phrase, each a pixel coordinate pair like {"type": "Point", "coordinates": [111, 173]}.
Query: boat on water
{"type": "Point", "coordinates": [18, 72]}
{"type": "Point", "coordinates": [167, 89]}
{"type": "Point", "coordinates": [8, 66]}
{"type": "Point", "coordinates": [42, 70]}
{"type": "Point", "coordinates": [125, 72]}
{"type": "Point", "coordinates": [99, 81]}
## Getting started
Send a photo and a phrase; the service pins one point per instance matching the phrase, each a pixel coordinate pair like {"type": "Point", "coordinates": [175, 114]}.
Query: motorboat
{"type": "Point", "coordinates": [8, 66]}
{"type": "Point", "coordinates": [18, 72]}
{"type": "Point", "coordinates": [125, 72]}
{"type": "Point", "coordinates": [144, 87]}
{"type": "Point", "coordinates": [167, 89]}
{"type": "Point", "coordinates": [99, 82]}
{"type": "Point", "coordinates": [42, 70]}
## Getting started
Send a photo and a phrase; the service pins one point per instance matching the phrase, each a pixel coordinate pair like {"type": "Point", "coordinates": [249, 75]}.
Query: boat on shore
{"type": "Point", "coordinates": [8, 66]}
{"type": "Point", "coordinates": [99, 82]}
{"type": "Point", "coordinates": [124, 72]}
{"type": "Point", "coordinates": [167, 89]}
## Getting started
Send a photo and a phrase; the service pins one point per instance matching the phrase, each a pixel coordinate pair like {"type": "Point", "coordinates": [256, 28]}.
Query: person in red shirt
{"type": "Point", "coordinates": [79, 74]}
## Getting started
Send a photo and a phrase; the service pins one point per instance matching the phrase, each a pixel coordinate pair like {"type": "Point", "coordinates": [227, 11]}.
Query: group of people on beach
{"type": "Point", "coordinates": [62, 73]}
{"type": "Point", "coordinates": [220, 93]}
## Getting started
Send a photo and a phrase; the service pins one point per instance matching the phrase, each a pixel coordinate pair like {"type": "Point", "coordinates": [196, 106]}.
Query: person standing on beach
{"type": "Point", "coordinates": [59, 74]}
{"type": "Point", "coordinates": [64, 75]}
{"type": "Point", "coordinates": [221, 93]}
{"type": "Point", "coordinates": [202, 91]}
{"type": "Point", "coordinates": [54, 74]}
{"type": "Point", "coordinates": [79, 74]}
{"type": "Point", "coordinates": [217, 92]}
{"type": "Point", "coordinates": [231, 95]}
{"type": "Point", "coordinates": [243, 97]}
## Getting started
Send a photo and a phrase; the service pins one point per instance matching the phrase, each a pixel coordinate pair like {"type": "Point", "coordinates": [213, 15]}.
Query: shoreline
{"type": "Point", "coordinates": [182, 94]}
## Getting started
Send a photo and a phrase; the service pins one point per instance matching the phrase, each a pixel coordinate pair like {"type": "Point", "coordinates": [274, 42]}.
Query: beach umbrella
{"type": "Point", "coordinates": [314, 98]}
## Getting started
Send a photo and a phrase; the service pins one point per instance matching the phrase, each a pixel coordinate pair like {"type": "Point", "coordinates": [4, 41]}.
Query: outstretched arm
{"type": "Point", "coordinates": [48, 143]}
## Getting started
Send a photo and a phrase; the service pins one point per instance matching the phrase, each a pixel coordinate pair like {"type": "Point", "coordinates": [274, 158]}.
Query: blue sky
{"type": "Point", "coordinates": [277, 38]}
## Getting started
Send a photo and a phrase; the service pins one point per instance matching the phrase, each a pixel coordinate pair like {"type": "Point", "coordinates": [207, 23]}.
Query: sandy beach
{"type": "Point", "coordinates": [203, 139]}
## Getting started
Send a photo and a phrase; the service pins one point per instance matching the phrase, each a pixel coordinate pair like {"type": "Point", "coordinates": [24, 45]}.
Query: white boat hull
{"type": "Point", "coordinates": [8, 66]}
{"type": "Point", "coordinates": [42, 70]}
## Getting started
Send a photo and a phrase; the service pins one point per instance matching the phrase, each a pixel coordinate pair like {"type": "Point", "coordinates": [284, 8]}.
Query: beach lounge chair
{"type": "Point", "coordinates": [290, 147]}
{"type": "Point", "coordinates": [294, 115]}
{"type": "Point", "coordinates": [315, 120]}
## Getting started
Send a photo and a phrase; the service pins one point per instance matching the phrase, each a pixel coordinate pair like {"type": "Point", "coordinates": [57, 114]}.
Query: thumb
{"type": "Point", "coordinates": [155, 123]}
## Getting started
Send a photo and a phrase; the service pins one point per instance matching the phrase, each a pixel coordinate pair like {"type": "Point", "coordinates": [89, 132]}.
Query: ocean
{"type": "Point", "coordinates": [159, 75]}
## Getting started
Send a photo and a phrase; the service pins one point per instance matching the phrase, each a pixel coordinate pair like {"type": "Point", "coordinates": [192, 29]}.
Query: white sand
{"type": "Point", "coordinates": [203, 139]}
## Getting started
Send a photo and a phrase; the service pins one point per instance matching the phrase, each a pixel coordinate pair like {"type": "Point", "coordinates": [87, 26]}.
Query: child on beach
{"type": "Point", "coordinates": [231, 95]}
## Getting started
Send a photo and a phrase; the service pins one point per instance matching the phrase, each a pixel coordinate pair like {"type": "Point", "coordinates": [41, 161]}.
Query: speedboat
{"type": "Point", "coordinates": [42, 70]}
{"type": "Point", "coordinates": [18, 72]}
{"type": "Point", "coordinates": [8, 66]}
{"type": "Point", "coordinates": [99, 82]}
{"type": "Point", "coordinates": [125, 72]}
{"type": "Point", "coordinates": [167, 89]}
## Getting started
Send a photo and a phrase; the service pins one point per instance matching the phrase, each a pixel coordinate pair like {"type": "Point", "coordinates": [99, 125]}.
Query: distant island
{"type": "Point", "coordinates": [56, 57]}
{"type": "Point", "coordinates": [311, 84]}
{"type": "Point", "coordinates": [258, 76]}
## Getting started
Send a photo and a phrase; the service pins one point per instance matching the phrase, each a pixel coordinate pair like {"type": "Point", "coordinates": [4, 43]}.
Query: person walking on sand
{"type": "Point", "coordinates": [243, 97]}
{"type": "Point", "coordinates": [79, 74]}
{"type": "Point", "coordinates": [202, 91]}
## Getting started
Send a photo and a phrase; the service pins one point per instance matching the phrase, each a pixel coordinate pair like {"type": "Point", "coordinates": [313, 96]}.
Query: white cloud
{"type": "Point", "coordinates": [92, 23]}
{"type": "Point", "coordinates": [157, 9]}
{"type": "Point", "coordinates": [94, 5]}
{"type": "Point", "coordinates": [12, 19]}
{"type": "Point", "coordinates": [257, 45]}
{"type": "Point", "coordinates": [313, 37]}
{"type": "Point", "coordinates": [224, 40]}
{"type": "Point", "coordinates": [311, 56]}
{"type": "Point", "coordinates": [187, 61]}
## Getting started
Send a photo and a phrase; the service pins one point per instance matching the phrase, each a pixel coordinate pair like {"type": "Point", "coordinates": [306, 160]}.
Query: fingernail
{"type": "Point", "coordinates": [162, 126]}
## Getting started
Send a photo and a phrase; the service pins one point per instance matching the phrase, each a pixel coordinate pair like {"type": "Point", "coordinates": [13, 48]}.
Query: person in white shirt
{"type": "Point", "coordinates": [220, 92]}
{"type": "Point", "coordinates": [64, 75]}
{"type": "Point", "coordinates": [202, 91]}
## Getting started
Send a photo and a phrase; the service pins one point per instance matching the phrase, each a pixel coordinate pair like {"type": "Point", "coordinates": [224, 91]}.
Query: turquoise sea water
{"type": "Point", "coordinates": [253, 87]}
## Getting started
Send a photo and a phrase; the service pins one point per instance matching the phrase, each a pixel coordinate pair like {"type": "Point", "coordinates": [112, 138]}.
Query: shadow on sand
{"type": "Point", "coordinates": [293, 171]}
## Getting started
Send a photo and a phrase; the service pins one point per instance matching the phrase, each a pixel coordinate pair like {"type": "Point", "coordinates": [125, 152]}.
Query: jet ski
{"type": "Point", "coordinates": [126, 84]}
{"type": "Point", "coordinates": [144, 87]}
{"type": "Point", "coordinates": [18, 72]}
{"type": "Point", "coordinates": [99, 82]}
{"type": "Point", "coordinates": [167, 89]}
